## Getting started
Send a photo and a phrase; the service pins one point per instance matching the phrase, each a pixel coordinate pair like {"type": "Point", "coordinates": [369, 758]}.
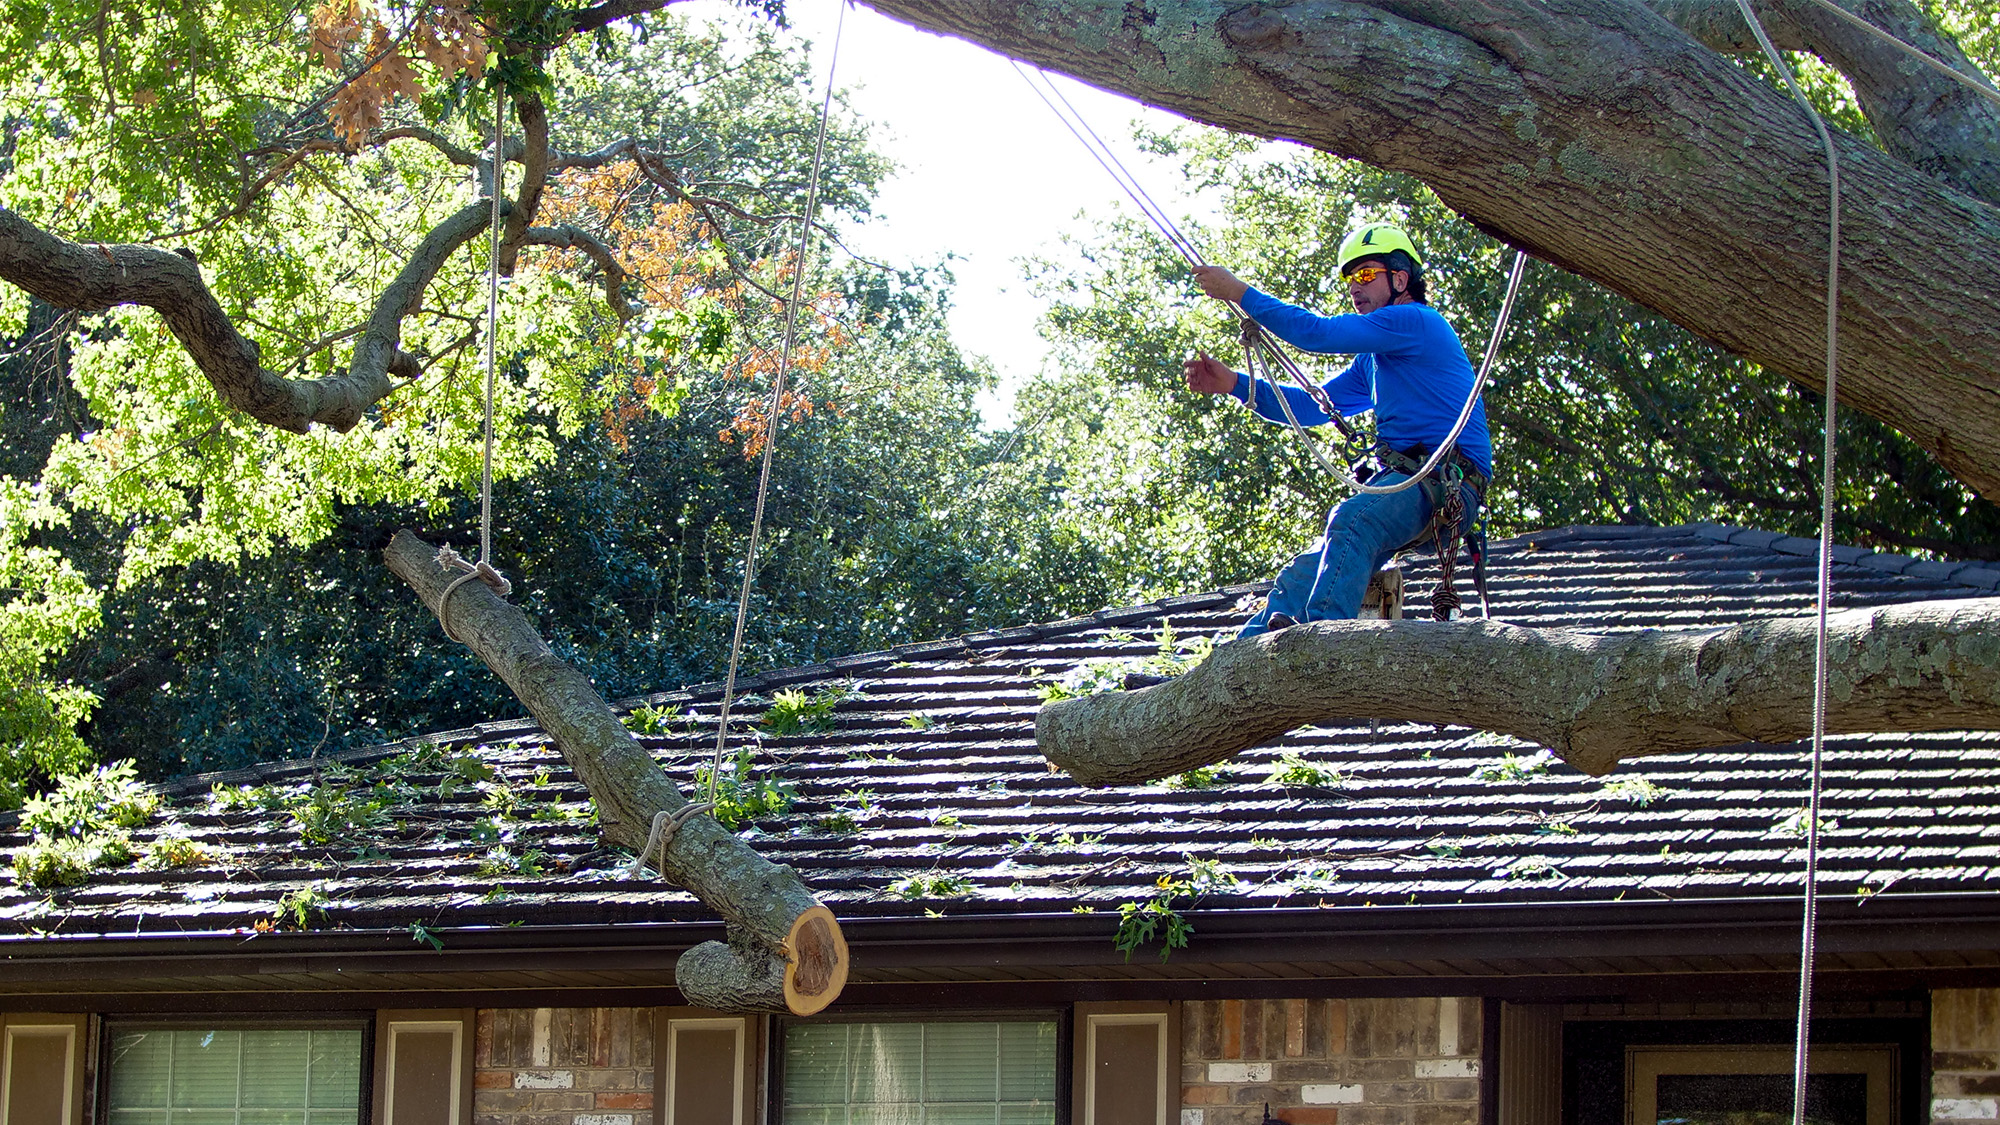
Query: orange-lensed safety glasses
{"type": "Point", "coordinates": [1364, 274]}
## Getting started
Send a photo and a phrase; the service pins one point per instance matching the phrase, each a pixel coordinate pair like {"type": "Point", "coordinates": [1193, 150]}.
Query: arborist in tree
{"type": "Point", "coordinates": [1411, 370]}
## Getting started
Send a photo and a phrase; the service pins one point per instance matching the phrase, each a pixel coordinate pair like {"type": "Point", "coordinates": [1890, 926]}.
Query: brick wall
{"type": "Point", "coordinates": [1331, 1062]}
{"type": "Point", "coordinates": [563, 1066]}
{"type": "Point", "coordinates": [1965, 1055]}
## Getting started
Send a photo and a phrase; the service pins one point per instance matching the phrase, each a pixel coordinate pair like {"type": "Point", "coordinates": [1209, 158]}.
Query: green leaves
{"type": "Point", "coordinates": [1140, 923]}
{"type": "Point", "coordinates": [84, 823]}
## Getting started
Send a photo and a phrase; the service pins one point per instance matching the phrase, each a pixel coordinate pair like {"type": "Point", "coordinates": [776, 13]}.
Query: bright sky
{"type": "Point", "coordinates": [986, 174]}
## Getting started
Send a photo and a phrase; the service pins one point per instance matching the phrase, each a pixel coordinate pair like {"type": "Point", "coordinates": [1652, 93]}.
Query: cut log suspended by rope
{"type": "Point", "coordinates": [785, 951]}
{"type": "Point", "coordinates": [1594, 699]}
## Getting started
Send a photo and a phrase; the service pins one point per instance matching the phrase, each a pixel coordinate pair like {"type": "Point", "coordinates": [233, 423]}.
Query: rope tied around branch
{"type": "Point", "coordinates": [665, 825]}
{"type": "Point", "coordinates": [448, 559]}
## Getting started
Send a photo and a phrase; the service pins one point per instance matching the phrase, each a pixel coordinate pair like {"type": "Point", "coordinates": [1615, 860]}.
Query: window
{"type": "Point", "coordinates": [1695, 1070]}
{"type": "Point", "coordinates": [1704, 1086]}
{"type": "Point", "coordinates": [935, 1073]}
{"type": "Point", "coordinates": [233, 1076]}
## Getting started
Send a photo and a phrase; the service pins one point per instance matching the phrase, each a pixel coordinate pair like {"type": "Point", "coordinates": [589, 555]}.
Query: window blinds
{"type": "Point", "coordinates": [194, 1076]}
{"type": "Point", "coordinates": [942, 1073]}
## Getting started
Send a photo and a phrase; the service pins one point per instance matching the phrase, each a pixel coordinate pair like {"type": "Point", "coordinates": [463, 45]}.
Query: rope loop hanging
{"type": "Point", "coordinates": [448, 559]}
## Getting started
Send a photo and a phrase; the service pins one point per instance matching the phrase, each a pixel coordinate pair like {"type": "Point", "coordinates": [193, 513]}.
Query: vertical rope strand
{"type": "Point", "coordinates": [1809, 923]}
{"type": "Point", "coordinates": [771, 415]}
{"type": "Point", "coordinates": [492, 324]}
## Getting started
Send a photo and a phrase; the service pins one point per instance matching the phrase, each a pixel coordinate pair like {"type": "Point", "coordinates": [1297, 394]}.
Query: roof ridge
{"type": "Point", "coordinates": [1961, 573]}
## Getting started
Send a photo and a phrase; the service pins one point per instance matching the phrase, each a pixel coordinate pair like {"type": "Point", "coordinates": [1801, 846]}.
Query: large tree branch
{"type": "Point", "coordinates": [1596, 136]}
{"type": "Point", "coordinates": [1593, 699]}
{"type": "Point", "coordinates": [534, 119]}
{"type": "Point", "coordinates": [786, 952]}
{"type": "Point", "coordinates": [76, 275]}
{"type": "Point", "coordinates": [603, 15]}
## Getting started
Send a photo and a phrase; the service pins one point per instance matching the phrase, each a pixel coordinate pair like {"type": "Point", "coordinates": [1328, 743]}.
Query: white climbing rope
{"type": "Point", "coordinates": [448, 559]}
{"type": "Point", "coordinates": [1809, 924]}
{"type": "Point", "coordinates": [771, 414]}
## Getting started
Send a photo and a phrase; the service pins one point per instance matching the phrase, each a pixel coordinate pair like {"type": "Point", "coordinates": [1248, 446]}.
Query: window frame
{"type": "Point", "coordinates": [1646, 1063]}
{"type": "Point", "coordinates": [1089, 1015]}
{"type": "Point", "coordinates": [113, 1025]}
{"type": "Point", "coordinates": [752, 1049]}
{"type": "Point", "coordinates": [75, 1027]}
{"type": "Point", "coordinates": [380, 1050]}
{"type": "Point", "coordinates": [1594, 1047]}
{"type": "Point", "coordinates": [774, 1050]}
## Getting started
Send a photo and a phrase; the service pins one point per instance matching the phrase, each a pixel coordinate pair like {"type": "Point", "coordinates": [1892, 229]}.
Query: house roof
{"type": "Point", "coordinates": [924, 817]}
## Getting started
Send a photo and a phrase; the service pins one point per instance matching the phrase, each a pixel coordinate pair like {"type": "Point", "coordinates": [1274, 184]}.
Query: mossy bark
{"type": "Point", "coordinates": [1594, 699]}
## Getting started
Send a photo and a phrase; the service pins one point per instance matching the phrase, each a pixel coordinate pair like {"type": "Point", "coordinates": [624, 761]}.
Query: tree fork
{"type": "Point", "coordinates": [1594, 699]}
{"type": "Point", "coordinates": [786, 952]}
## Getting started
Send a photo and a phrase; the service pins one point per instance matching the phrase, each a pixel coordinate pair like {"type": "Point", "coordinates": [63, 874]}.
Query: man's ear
{"type": "Point", "coordinates": [1398, 288]}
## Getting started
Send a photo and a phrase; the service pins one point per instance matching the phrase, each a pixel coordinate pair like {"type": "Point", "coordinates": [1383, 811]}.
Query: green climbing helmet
{"type": "Point", "coordinates": [1376, 240]}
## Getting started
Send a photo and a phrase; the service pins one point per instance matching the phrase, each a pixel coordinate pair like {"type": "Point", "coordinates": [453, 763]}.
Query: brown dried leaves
{"type": "Point", "coordinates": [446, 34]}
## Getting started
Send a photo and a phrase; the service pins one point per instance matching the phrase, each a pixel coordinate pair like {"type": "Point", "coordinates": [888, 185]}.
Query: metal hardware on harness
{"type": "Point", "coordinates": [1446, 486]}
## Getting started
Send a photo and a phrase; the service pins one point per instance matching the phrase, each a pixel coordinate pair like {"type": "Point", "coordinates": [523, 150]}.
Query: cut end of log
{"type": "Point", "coordinates": [816, 969]}
{"type": "Point", "coordinates": [741, 976]}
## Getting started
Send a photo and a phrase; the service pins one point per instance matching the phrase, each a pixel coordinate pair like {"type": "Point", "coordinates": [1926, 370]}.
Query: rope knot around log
{"type": "Point", "coordinates": [448, 559]}
{"type": "Point", "coordinates": [665, 825]}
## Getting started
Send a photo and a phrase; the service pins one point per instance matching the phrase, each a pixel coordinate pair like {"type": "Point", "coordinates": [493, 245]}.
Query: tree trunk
{"type": "Point", "coordinates": [1597, 136]}
{"type": "Point", "coordinates": [1593, 699]}
{"type": "Point", "coordinates": [786, 952]}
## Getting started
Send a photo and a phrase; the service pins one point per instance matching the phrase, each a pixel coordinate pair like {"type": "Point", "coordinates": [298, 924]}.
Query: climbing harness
{"type": "Point", "coordinates": [1809, 923]}
{"type": "Point", "coordinates": [771, 417]}
{"type": "Point", "coordinates": [448, 559]}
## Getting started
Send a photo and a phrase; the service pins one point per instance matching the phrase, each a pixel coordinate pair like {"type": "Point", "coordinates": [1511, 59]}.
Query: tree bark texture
{"type": "Point", "coordinates": [1597, 136]}
{"type": "Point", "coordinates": [786, 951]}
{"type": "Point", "coordinates": [1594, 699]}
{"type": "Point", "coordinates": [91, 276]}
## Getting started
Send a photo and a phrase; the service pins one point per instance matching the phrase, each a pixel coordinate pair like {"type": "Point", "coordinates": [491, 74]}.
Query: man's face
{"type": "Point", "coordinates": [1369, 285]}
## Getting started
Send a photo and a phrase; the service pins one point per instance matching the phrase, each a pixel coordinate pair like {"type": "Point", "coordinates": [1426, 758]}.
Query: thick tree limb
{"type": "Point", "coordinates": [605, 14]}
{"type": "Point", "coordinates": [534, 119]}
{"type": "Point", "coordinates": [74, 275]}
{"type": "Point", "coordinates": [1596, 136]}
{"type": "Point", "coordinates": [786, 952]}
{"type": "Point", "coordinates": [1593, 699]}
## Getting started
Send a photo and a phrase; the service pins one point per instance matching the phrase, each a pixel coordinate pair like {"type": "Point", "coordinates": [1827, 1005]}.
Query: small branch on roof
{"type": "Point", "coordinates": [1594, 699]}
{"type": "Point", "coordinates": [786, 952]}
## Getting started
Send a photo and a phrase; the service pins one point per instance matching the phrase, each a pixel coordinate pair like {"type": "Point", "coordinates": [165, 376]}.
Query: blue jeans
{"type": "Point", "coordinates": [1327, 580]}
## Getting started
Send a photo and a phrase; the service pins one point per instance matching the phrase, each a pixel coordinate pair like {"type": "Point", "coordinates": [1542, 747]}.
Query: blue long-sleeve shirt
{"type": "Point", "coordinates": [1409, 367]}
